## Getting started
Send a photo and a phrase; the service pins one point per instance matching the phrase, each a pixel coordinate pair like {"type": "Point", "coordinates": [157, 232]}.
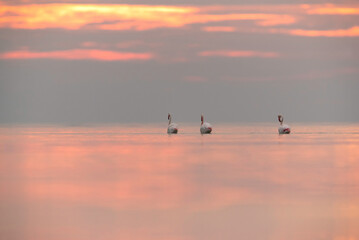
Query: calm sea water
{"type": "Point", "coordinates": [138, 183]}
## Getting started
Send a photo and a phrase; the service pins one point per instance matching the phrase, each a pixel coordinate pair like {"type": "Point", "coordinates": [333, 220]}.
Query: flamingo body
{"type": "Point", "coordinates": [205, 128]}
{"type": "Point", "coordinates": [172, 127]}
{"type": "Point", "coordinates": [283, 128]}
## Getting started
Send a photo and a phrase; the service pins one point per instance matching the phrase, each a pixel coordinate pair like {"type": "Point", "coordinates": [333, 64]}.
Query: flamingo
{"type": "Point", "coordinates": [172, 127]}
{"type": "Point", "coordinates": [283, 128]}
{"type": "Point", "coordinates": [205, 127]}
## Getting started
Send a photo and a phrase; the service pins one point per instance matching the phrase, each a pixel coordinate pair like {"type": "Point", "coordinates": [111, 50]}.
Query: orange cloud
{"type": "Point", "coordinates": [219, 29]}
{"type": "Point", "coordinates": [75, 16]}
{"type": "Point", "coordinates": [235, 54]}
{"type": "Point", "coordinates": [330, 9]}
{"type": "Point", "coordinates": [260, 18]}
{"type": "Point", "coordinates": [78, 54]}
{"type": "Point", "coordinates": [351, 32]}
{"type": "Point", "coordinates": [121, 17]}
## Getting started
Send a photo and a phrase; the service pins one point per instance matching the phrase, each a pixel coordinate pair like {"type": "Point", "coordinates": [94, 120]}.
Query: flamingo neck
{"type": "Point", "coordinates": [280, 119]}
{"type": "Point", "coordinates": [169, 120]}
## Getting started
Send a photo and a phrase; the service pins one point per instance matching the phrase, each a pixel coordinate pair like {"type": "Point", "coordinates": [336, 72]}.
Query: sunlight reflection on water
{"type": "Point", "coordinates": [137, 182]}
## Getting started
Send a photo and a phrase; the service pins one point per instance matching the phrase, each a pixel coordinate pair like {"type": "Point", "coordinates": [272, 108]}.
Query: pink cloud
{"type": "Point", "coordinates": [350, 32]}
{"type": "Point", "coordinates": [219, 29]}
{"type": "Point", "coordinates": [78, 54]}
{"type": "Point", "coordinates": [237, 54]}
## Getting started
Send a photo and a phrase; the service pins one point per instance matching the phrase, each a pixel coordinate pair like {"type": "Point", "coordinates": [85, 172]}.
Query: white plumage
{"type": "Point", "coordinates": [172, 127]}
{"type": "Point", "coordinates": [205, 127]}
{"type": "Point", "coordinates": [283, 128]}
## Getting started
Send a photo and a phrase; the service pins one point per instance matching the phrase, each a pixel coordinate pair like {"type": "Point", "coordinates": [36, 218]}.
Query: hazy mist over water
{"type": "Point", "coordinates": [58, 99]}
{"type": "Point", "coordinates": [244, 181]}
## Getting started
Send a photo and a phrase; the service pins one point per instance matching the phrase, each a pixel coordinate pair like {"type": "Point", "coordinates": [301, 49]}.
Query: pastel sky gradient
{"type": "Point", "coordinates": [85, 61]}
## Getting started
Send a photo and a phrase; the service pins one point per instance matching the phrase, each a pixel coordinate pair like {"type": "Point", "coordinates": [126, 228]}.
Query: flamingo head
{"type": "Point", "coordinates": [169, 115]}
{"type": "Point", "coordinates": [280, 118]}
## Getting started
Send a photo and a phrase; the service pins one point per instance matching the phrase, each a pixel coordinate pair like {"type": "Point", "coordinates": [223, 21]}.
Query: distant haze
{"type": "Point", "coordinates": [232, 61]}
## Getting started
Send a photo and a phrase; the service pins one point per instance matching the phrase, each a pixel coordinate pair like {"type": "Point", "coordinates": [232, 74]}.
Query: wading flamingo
{"type": "Point", "coordinates": [172, 127]}
{"type": "Point", "coordinates": [283, 128]}
{"type": "Point", "coordinates": [205, 127]}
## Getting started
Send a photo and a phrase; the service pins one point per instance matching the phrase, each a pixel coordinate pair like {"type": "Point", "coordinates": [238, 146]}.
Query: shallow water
{"type": "Point", "coordinates": [137, 182]}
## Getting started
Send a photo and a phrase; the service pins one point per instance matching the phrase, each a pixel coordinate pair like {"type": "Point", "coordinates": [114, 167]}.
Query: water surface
{"type": "Point", "coordinates": [136, 182]}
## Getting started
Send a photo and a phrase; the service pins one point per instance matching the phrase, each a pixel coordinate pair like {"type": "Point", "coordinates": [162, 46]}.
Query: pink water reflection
{"type": "Point", "coordinates": [126, 182]}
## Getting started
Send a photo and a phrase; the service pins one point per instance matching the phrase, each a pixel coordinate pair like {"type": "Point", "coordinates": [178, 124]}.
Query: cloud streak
{"type": "Point", "coordinates": [219, 29]}
{"type": "Point", "coordinates": [76, 16]}
{"type": "Point", "coordinates": [331, 9]}
{"type": "Point", "coordinates": [238, 54]}
{"type": "Point", "coordinates": [350, 32]}
{"type": "Point", "coordinates": [78, 54]}
{"type": "Point", "coordinates": [122, 17]}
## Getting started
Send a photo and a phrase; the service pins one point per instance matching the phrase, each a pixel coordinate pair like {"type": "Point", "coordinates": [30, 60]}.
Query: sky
{"type": "Point", "coordinates": [88, 61]}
